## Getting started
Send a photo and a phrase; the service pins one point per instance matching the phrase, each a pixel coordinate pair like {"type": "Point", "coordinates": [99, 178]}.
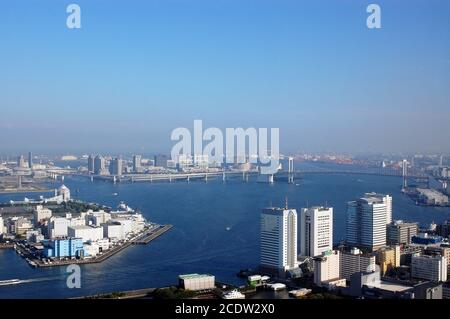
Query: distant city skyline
{"type": "Point", "coordinates": [134, 72]}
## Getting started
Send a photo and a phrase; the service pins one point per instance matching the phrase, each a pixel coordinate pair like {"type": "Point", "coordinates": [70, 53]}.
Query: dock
{"type": "Point", "coordinates": [152, 234]}
{"type": "Point", "coordinates": [142, 239]}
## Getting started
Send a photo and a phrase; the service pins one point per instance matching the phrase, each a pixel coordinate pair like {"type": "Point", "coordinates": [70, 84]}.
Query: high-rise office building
{"type": "Point", "coordinates": [387, 199]}
{"type": "Point", "coordinates": [399, 232]}
{"type": "Point", "coordinates": [20, 161]}
{"type": "Point", "coordinates": [30, 160]}
{"type": "Point", "coordinates": [366, 221]}
{"type": "Point", "coordinates": [316, 231]}
{"type": "Point", "coordinates": [137, 163]}
{"type": "Point", "coordinates": [116, 167]}
{"type": "Point", "coordinates": [91, 164]}
{"type": "Point", "coordinates": [99, 164]}
{"type": "Point", "coordinates": [161, 160]}
{"type": "Point", "coordinates": [279, 239]}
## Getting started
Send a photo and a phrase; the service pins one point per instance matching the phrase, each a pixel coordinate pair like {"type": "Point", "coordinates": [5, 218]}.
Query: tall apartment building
{"type": "Point", "coordinates": [327, 267]}
{"type": "Point", "coordinates": [433, 268]}
{"type": "Point", "coordinates": [316, 231]}
{"type": "Point", "coordinates": [354, 261]}
{"type": "Point", "coordinates": [387, 258]}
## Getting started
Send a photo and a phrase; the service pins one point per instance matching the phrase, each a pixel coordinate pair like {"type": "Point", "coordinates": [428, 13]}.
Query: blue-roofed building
{"type": "Point", "coordinates": [64, 247]}
{"type": "Point", "coordinates": [425, 239]}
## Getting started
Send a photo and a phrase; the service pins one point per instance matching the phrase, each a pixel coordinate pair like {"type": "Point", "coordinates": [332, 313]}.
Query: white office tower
{"type": "Point", "coordinates": [316, 231]}
{"type": "Point", "coordinates": [2, 225]}
{"type": "Point", "coordinates": [327, 267]}
{"type": "Point", "coordinates": [387, 199]}
{"type": "Point", "coordinates": [279, 239]}
{"type": "Point", "coordinates": [366, 221]}
{"type": "Point", "coordinates": [433, 268]}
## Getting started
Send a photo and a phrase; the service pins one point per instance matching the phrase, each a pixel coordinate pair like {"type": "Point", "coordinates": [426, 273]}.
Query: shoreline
{"type": "Point", "coordinates": [23, 191]}
{"type": "Point", "coordinates": [141, 239]}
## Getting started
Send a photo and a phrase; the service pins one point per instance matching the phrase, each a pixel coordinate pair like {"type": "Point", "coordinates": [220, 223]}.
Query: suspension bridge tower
{"type": "Point", "coordinates": [291, 170]}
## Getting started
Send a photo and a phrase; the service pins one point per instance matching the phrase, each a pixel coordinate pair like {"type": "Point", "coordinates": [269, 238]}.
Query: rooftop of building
{"type": "Point", "coordinates": [393, 287]}
{"type": "Point", "coordinates": [403, 222]}
{"type": "Point", "coordinates": [277, 211]}
{"type": "Point", "coordinates": [428, 256]}
{"type": "Point", "coordinates": [83, 227]}
{"type": "Point", "coordinates": [319, 208]}
{"type": "Point", "coordinates": [64, 238]}
{"type": "Point", "coordinates": [194, 276]}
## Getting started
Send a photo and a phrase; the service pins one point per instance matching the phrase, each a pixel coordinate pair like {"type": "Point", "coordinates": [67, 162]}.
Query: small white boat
{"type": "Point", "coordinates": [234, 294]}
{"type": "Point", "coordinates": [277, 286]}
{"type": "Point", "coordinates": [9, 282]}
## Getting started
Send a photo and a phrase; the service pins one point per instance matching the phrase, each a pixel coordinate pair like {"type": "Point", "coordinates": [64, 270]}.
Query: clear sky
{"type": "Point", "coordinates": [138, 69]}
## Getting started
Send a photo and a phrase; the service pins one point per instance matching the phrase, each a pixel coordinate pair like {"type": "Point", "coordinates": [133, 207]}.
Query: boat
{"type": "Point", "coordinates": [234, 294]}
{"type": "Point", "coordinates": [115, 194]}
{"type": "Point", "coordinates": [300, 292]}
{"type": "Point", "coordinates": [125, 208]}
{"type": "Point", "coordinates": [277, 286]}
{"type": "Point", "coordinates": [9, 282]}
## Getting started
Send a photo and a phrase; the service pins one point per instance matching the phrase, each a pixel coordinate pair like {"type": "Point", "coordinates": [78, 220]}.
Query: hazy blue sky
{"type": "Point", "coordinates": [138, 69]}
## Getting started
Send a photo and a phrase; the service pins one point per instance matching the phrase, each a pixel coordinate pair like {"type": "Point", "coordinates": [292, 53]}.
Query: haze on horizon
{"type": "Point", "coordinates": [136, 70]}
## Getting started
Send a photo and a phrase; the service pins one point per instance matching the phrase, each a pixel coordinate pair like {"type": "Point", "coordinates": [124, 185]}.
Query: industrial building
{"type": "Point", "coordinates": [86, 233]}
{"type": "Point", "coordinates": [64, 247]}
{"type": "Point", "coordinates": [197, 282]}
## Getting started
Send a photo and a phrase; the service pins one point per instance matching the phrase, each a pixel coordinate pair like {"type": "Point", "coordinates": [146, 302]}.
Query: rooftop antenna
{"type": "Point", "coordinates": [286, 202]}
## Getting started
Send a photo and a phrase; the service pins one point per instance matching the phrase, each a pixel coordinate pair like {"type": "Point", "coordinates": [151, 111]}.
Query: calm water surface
{"type": "Point", "coordinates": [215, 230]}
